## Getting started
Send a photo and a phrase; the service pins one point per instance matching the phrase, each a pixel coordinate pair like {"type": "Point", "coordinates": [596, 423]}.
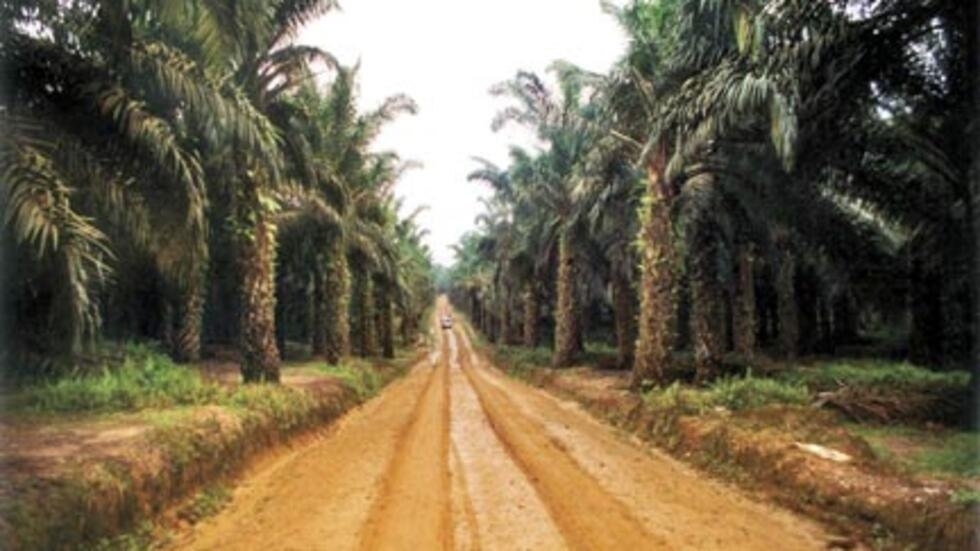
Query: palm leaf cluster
{"type": "Point", "coordinates": [178, 170]}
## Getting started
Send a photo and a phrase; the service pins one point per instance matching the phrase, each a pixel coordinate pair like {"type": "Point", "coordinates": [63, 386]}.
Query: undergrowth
{"type": "Point", "coordinates": [145, 379]}
{"type": "Point", "coordinates": [365, 381]}
{"type": "Point", "coordinates": [521, 361]}
{"type": "Point", "coordinates": [878, 374]}
{"type": "Point", "coordinates": [733, 393]}
{"type": "Point", "coordinates": [948, 452]}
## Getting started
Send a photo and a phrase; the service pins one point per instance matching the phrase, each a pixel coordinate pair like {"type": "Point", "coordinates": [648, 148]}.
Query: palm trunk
{"type": "Point", "coordinates": [530, 316]}
{"type": "Point", "coordinates": [504, 331]}
{"type": "Point", "coordinates": [255, 262]}
{"type": "Point", "coordinates": [658, 261]}
{"type": "Point", "coordinates": [386, 318]}
{"type": "Point", "coordinates": [707, 301]}
{"type": "Point", "coordinates": [566, 316]}
{"type": "Point", "coordinates": [744, 319]}
{"type": "Point", "coordinates": [367, 338]}
{"type": "Point", "coordinates": [786, 307]}
{"type": "Point", "coordinates": [623, 299]}
{"type": "Point", "coordinates": [318, 331]}
{"type": "Point", "coordinates": [407, 328]}
{"type": "Point", "coordinates": [973, 194]}
{"type": "Point", "coordinates": [338, 290]}
{"type": "Point", "coordinates": [167, 324]}
{"type": "Point", "coordinates": [187, 336]}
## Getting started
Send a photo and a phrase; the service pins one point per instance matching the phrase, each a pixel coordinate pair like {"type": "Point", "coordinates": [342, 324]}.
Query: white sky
{"type": "Point", "coordinates": [446, 54]}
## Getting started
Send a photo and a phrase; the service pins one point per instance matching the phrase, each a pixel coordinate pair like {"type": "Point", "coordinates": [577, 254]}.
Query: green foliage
{"type": "Point", "coordinates": [750, 392]}
{"type": "Point", "coordinates": [206, 503]}
{"type": "Point", "coordinates": [733, 393]}
{"type": "Point", "coordinates": [144, 379]}
{"type": "Point", "coordinates": [359, 376]}
{"type": "Point", "coordinates": [521, 361]}
{"type": "Point", "coordinates": [878, 374]}
{"type": "Point", "coordinates": [287, 406]}
{"type": "Point", "coordinates": [142, 538]}
{"type": "Point", "coordinates": [943, 452]}
{"type": "Point", "coordinates": [965, 496]}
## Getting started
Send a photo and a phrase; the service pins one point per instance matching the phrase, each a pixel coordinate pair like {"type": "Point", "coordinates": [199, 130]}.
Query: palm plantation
{"type": "Point", "coordinates": [711, 142]}
{"type": "Point", "coordinates": [194, 145]}
{"type": "Point", "coordinates": [752, 242]}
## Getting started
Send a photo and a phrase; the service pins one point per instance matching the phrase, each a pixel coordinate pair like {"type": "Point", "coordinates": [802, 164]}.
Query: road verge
{"type": "Point", "coordinates": [858, 497]}
{"type": "Point", "coordinates": [100, 481]}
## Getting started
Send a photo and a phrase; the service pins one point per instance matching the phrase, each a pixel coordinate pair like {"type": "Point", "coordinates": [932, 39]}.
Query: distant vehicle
{"type": "Point", "coordinates": [446, 322]}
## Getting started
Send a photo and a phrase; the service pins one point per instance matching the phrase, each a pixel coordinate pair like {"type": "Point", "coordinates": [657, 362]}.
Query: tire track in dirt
{"type": "Point", "coordinates": [507, 511]}
{"type": "Point", "coordinates": [316, 496]}
{"type": "Point", "coordinates": [682, 508]}
{"type": "Point", "coordinates": [414, 508]}
{"type": "Point", "coordinates": [588, 517]}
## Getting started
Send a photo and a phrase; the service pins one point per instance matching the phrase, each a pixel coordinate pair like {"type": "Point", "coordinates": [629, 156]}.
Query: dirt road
{"type": "Point", "coordinates": [457, 456]}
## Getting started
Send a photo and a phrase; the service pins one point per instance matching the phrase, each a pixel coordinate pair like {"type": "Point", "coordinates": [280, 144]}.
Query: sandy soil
{"type": "Point", "coordinates": [457, 456]}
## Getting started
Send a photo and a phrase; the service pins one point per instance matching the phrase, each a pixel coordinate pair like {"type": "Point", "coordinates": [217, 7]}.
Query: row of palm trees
{"type": "Point", "coordinates": [752, 173]}
{"type": "Point", "coordinates": [177, 168]}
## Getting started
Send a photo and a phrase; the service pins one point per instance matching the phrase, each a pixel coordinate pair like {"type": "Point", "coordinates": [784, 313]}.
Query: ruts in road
{"type": "Point", "coordinates": [457, 456]}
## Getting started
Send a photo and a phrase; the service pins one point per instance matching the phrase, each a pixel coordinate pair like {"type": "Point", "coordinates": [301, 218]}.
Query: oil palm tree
{"type": "Point", "coordinates": [90, 107]}
{"type": "Point", "coordinates": [567, 128]}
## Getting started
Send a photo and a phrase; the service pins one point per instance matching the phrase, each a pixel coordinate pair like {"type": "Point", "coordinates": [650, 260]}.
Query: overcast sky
{"type": "Point", "coordinates": [446, 54]}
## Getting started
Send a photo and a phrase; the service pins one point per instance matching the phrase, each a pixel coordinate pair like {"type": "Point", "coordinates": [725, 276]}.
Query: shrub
{"type": "Point", "coordinates": [365, 381]}
{"type": "Point", "coordinates": [751, 392]}
{"type": "Point", "coordinates": [143, 380]}
{"type": "Point", "coordinates": [287, 406]}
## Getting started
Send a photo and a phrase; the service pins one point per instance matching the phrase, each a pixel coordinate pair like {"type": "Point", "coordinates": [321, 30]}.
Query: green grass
{"type": "Point", "coordinates": [206, 503]}
{"type": "Point", "coordinates": [733, 393]}
{"type": "Point", "coordinates": [144, 380]}
{"type": "Point", "coordinates": [880, 374]}
{"type": "Point", "coordinates": [356, 374]}
{"type": "Point", "coordinates": [521, 361]}
{"type": "Point", "coordinates": [946, 452]}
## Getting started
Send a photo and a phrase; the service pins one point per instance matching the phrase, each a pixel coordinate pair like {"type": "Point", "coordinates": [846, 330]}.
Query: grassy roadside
{"type": "Point", "coordinates": [909, 483]}
{"type": "Point", "coordinates": [92, 459]}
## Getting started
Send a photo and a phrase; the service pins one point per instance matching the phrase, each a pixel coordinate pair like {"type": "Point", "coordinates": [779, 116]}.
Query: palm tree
{"type": "Point", "coordinates": [250, 42]}
{"type": "Point", "coordinates": [89, 111]}
{"type": "Point", "coordinates": [554, 177]}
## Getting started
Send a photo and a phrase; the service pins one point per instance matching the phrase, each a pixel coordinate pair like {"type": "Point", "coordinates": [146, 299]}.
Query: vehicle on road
{"type": "Point", "coordinates": [446, 322]}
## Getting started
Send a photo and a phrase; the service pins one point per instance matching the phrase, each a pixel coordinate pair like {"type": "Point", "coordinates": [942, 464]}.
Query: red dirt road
{"type": "Point", "coordinates": [458, 456]}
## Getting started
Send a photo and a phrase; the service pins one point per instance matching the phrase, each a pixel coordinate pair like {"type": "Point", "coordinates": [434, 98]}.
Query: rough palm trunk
{"type": "Point", "coordinates": [282, 295]}
{"type": "Point", "coordinates": [566, 316]}
{"type": "Point", "coordinates": [530, 316]}
{"type": "Point", "coordinates": [707, 312]}
{"type": "Point", "coordinates": [786, 308]}
{"type": "Point", "coordinates": [972, 67]}
{"type": "Point", "coordinates": [386, 320]}
{"type": "Point", "coordinates": [338, 291]}
{"type": "Point", "coordinates": [504, 330]}
{"type": "Point", "coordinates": [187, 335]}
{"type": "Point", "coordinates": [318, 330]}
{"type": "Point", "coordinates": [255, 263]}
{"type": "Point", "coordinates": [623, 310]}
{"type": "Point", "coordinates": [166, 324]}
{"type": "Point", "coordinates": [744, 320]}
{"type": "Point", "coordinates": [658, 264]}
{"type": "Point", "coordinates": [366, 335]}
{"type": "Point", "coordinates": [407, 327]}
